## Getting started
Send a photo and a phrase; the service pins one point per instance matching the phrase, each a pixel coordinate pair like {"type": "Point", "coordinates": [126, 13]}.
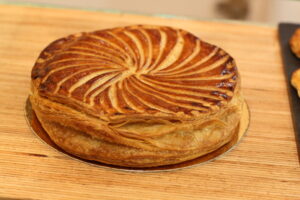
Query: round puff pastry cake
{"type": "Point", "coordinates": [137, 96]}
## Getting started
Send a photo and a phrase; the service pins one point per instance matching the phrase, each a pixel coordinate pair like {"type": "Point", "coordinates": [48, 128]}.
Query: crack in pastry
{"type": "Point", "coordinates": [137, 96]}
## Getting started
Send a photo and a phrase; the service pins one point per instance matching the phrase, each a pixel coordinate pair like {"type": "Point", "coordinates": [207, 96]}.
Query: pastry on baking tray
{"type": "Point", "coordinates": [137, 96]}
{"type": "Point", "coordinates": [296, 80]}
{"type": "Point", "coordinates": [295, 43]}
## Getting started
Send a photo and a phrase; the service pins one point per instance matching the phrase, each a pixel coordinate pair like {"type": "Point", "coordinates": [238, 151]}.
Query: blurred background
{"type": "Point", "coordinates": [260, 11]}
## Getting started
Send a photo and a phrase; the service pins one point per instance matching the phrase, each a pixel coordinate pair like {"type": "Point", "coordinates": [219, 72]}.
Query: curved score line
{"type": "Point", "coordinates": [172, 56]}
{"type": "Point", "coordinates": [199, 69]}
{"type": "Point", "coordinates": [180, 91]}
{"type": "Point", "coordinates": [195, 65]}
{"type": "Point", "coordinates": [74, 74]}
{"type": "Point", "coordinates": [162, 45]}
{"type": "Point", "coordinates": [185, 86]}
{"type": "Point", "coordinates": [158, 95]}
{"type": "Point", "coordinates": [70, 66]}
{"type": "Point", "coordinates": [87, 78]}
{"type": "Point", "coordinates": [149, 104]}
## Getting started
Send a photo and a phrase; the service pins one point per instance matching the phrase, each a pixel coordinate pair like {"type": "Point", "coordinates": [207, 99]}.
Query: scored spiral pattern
{"type": "Point", "coordinates": [138, 69]}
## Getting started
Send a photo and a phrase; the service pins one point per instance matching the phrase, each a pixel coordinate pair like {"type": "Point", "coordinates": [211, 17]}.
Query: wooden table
{"type": "Point", "coordinates": [263, 166]}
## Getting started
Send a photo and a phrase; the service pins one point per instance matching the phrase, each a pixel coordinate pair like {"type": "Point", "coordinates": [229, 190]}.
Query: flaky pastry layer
{"type": "Point", "coordinates": [140, 143]}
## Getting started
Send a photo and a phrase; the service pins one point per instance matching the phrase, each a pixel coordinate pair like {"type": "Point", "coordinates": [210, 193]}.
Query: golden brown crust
{"type": "Point", "coordinates": [136, 71]}
{"type": "Point", "coordinates": [295, 81]}
{"type": "Point", "coordinates": [295, 43]}
{"type": "Point", "coordinates": [137, 96]}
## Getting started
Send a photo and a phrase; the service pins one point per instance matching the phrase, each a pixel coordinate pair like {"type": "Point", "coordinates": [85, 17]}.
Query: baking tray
{"type": "Point", "coordinates": [291, 63]}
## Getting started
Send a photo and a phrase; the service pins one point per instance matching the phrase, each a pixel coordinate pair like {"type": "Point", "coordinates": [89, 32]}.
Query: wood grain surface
{"type": "Point", "coordinates": [263, 166]}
